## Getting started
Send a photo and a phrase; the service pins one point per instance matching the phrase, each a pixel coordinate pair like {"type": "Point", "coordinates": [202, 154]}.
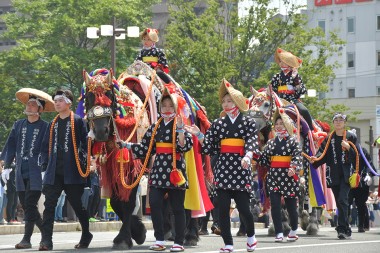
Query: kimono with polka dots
{"type": "Point", "coordinates": [277, 179]}
{"type": "Point", "coordinates": [160, 173]}
{"type": "Point", "coordinates": [282, 79]}
{"type": "Point", "coordinates": [153, 52]}
{"type": "Point", "coordinates": [228, 173]}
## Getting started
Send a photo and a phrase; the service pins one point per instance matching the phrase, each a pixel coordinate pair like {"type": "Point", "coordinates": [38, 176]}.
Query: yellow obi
{"type": "Point", "coordinates": [232, 145]}
{"type": "Point", "coordinates": [280, 161]}
{"type": "Point", "coordinates": [284, 89]}
{"type": "Point", "coordinates": [150, 59]}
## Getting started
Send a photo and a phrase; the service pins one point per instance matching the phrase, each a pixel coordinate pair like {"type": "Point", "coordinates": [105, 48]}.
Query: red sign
{"type": "Point", "coordinates": [358, 1]}
{"type": "Point", "coordinates": [323, 2]}
{"type": "Point", "coordinates": [343, 1]}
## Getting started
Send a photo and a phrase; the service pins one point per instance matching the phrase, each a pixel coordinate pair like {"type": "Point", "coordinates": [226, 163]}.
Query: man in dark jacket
{"type": "Point", "coordinates": [64, 153]}
{"type": "Point", "coordinates": [339, 158]}
{"type": "Point", "coordinates": [23, 146]}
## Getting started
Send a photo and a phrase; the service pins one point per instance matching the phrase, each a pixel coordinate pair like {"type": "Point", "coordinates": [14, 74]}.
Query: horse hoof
{"type": "Point", "coordinates": [122, 245]}
{"type": "Point", "coordinates": [138, 230]}
{"type": "Point", "coordinates": [190, 242]}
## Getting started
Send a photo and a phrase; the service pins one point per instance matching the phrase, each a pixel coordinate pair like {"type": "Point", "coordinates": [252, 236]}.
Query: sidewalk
{"type": "Point", "coordinates": [94, 226]}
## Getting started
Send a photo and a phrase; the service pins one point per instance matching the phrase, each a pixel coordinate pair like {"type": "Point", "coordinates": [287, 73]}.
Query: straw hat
{"type": "Point", "coordinates": [238, 97]}
{"type": "Point", "coordinates": [288, 123]}
{"type": "Point", "coordinates": [24, 94]}
{"type": "Point", "coordinates": [151, 33]}
{"type": "Point", "coordinates": [286, 57]}
{"type": "Point", "coordinates": [172, 96]}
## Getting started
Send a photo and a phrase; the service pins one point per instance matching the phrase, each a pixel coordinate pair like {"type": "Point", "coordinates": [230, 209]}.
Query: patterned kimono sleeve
{"type": "Point", "coordinates": [139, 56]}
{"type": "Point", "coordinates": [210, 144]}
{"type": "Point", "coordinates": [162, 57]}
{"type": "Point", "coordinates": [251, 138]}
{"type": "Point", "coordinates": [187, 145]}
{"type": "Point", "coordinates": [296, 161]}
{"type": "Point", "coordinates": [301, 89]}
{"type": "Point", "coordinates": [264, 159]}
{"type": "Point", "coordinates": [274, 82]}
{"type": "Point", "coordinates": [140, 150]}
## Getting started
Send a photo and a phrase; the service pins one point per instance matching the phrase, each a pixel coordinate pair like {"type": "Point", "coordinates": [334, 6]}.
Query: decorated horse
{"type": "Point", "coordinates": [115, 113]}
{"type": "Point", "coordinates": [267, 102]}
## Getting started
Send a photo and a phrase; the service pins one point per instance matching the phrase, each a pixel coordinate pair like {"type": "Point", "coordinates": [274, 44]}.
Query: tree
{"type": "Point", "coordinates": [205, 47]}
{"type": "Point", "coordinates": [52, 47]}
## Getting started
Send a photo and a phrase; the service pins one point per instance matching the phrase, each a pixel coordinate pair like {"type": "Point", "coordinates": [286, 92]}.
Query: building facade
{"type": "Point", "coordinates": [357, 81]}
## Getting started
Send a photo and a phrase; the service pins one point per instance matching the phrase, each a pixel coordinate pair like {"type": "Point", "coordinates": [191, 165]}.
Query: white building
{"type": "Point", "coordinates": [357, 82]}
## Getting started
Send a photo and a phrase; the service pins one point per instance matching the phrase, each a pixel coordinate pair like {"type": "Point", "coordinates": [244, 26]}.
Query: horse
{"type": "Point", "coordinates": [267, 102]}
{"type": "Point", "coordinates": [115, 113]}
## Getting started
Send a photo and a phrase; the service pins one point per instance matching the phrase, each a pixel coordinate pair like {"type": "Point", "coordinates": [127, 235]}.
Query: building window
{"type": "Point", "coordinates": [350, 60]}
{"type": "Point", "coordinates": [322, 25]}
{"type": "Point", "coordinates": [351, 93]}
{"type": "Point", "coordinates": [378, 90]}
{"type": "Point", "coordinates": [378, 58]}
{"type": "Point", "coordinates": [350, 25]}
{"type": "Point", "coordinates": [378, 23]}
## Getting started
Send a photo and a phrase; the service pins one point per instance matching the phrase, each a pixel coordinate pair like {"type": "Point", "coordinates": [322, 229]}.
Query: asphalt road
{"type": "Point", "coordinates": [325, 242]}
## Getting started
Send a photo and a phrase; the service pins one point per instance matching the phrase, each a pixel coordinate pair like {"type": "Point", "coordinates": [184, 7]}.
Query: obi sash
{"type": "Point", "coordinates": [232, 145]}
{"type": "Point", "coordinates": [280, 161]}
{"type": "Point", "coordinates": [166, 148]}
{"type": "Point", "coordinates": [150, 59]}
{"type": "Point", "coordinates": [284, 90]}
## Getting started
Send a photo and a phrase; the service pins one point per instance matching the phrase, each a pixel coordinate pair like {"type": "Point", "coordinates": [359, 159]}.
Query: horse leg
{"type": "Point", "coordinates": [124, 210]}
{"type": "Point", "coordinates": [192, 230]}
{"type": "Point", "coordinates": [312, 228]}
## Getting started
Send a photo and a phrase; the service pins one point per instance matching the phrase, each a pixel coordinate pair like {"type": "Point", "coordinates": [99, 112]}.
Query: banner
{"type": "Point", "coordinates": [323, 2]}
{"type": "Point", "coordinates": [343, 1]}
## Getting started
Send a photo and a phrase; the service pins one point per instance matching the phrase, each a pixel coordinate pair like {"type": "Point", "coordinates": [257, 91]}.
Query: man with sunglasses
{"type": "Point", "coordinates": [339, 158]}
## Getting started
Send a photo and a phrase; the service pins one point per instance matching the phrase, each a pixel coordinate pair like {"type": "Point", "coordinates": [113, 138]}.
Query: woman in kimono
{"type": "Point", "coordinates": [168, 140]}
{"type": "Point", "coordinates": [283, 156]}
{"type": "Point", "coordinates": [235, 138]}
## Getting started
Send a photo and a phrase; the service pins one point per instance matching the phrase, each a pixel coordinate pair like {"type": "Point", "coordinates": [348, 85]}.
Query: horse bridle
{"type": "Point", "coordinates": [97, 112]}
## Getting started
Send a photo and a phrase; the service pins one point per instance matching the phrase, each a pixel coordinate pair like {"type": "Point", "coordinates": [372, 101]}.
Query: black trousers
{"type": "Point", "coordinates": [242, 204]}
{"type": "Point", "coordinates": [29, 202]}
{"type": "Point", "coordinates": [305, 114]}
{"type": "Point", "coordinates": [176, 200]}
{"type": "Point", "coordinates": [12, 197]}
{"type": "Point", "coordinates": [360, 195]}
{"type": "Point", "coordinates": [341, 192]}
{"type": "Point", "coordinates": [291, 206]}
{"type": "Point", "coordinates": [93, 201]}
{"type": "Point", "coordinates": [73, 195]}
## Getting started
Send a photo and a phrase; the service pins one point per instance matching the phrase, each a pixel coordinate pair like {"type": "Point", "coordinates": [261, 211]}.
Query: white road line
{"type": "Point", "coordinates": [345, 242]}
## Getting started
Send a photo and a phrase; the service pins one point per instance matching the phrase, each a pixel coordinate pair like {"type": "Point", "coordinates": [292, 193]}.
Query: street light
{"type": "Point", "coordinates": [115, 34]}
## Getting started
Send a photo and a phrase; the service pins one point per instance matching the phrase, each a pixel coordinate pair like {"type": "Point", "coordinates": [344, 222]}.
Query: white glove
{"type": "Point", "coordinates": [5, 175]}
{"type": "Point", "coordinates": [294, 72]}
{"type": "Point", "coordinates": [368, 180]}
{"type": "Point", "coordinates": [245, 162]}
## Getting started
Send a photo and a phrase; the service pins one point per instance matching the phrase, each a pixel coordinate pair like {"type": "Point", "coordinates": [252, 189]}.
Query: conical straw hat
{"type": "Point", "coordinates": [151, 33]}
{"type": "Point", "coordinates": [238, 97]}
{"type": "Point", "coordinates": [24, 94]}
{"type": "Point", "coordinates": [288, 58]}
{"type": "Point", "coordinates": [288, 123]}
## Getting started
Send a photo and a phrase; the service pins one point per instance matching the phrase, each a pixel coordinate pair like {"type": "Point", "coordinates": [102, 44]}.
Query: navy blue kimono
{"type": "Point", "coordinates": [70, 170]}
{"type": "Point", "coordinates": [23, 145]}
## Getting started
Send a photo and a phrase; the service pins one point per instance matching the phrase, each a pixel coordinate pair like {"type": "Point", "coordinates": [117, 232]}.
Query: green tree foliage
{"type": "Point", "coordinates": [205, 47]}
{"type": "Point", "coordinates": [52, 48]}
